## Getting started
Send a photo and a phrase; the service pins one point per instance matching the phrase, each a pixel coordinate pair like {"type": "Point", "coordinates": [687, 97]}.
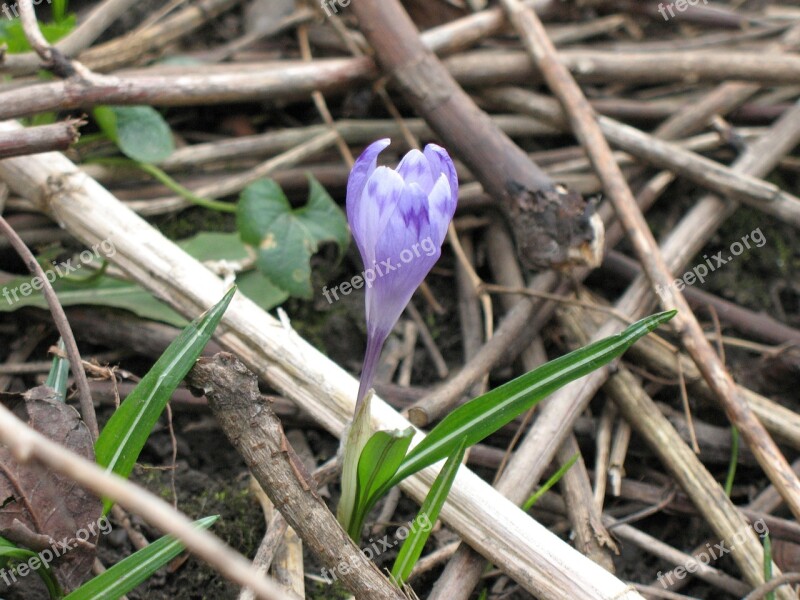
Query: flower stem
{"type": "Point", "coordinates": [371, 356]}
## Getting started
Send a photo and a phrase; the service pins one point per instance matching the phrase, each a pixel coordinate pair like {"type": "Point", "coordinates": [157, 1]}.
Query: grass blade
{"type": "Point", "coordinates": [59, 373]}
{"type": "Point", "coordinates": [554, 479]}
{"type": "Point", "coordinates": [126, 432]}
{"type": "Point", "coordinates": [484, 415]}
{"type": "Point", "coordinates": [133, 570]}
{"type": "Point", "coordinates": [11, 552]}
{"type": "Point", "coordinates": [412, 547]}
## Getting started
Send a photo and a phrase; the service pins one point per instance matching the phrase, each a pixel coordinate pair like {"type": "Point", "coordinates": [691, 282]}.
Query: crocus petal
{"type": "Point", "coordinates": [442, 206]}
{"type": "Point", "coordinates": [414, 168]}
{"type": "Point", "coordinates": [370, 212]}
{"type": "Point", "coordinates": [440, 162]}
{"type": "Point", "coordinates": [402, 263]}
{"type": "Point", "coordinates": [361, 171]}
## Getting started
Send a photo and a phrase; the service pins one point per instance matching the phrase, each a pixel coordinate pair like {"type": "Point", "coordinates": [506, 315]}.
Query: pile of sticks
{"type": "Point", "coordinates": [699, 94]}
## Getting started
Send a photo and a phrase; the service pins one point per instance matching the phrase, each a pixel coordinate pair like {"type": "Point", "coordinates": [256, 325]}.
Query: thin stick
{"type": "Point", "coordinates": [44, 138]}
{"type": "Point", "coordinates": [62, 324]}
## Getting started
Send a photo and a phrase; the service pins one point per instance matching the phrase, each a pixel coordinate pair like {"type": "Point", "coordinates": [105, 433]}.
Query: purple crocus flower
{"type": "Point", "coordinates": [399, 219]}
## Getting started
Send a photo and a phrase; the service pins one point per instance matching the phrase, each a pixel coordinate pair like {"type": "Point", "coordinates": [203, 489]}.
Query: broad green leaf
{"type": "Point", "coordinates": [59, 373]}
{"type": "Point", "coordinates": [380, 459]}
{"type": "Point", "coordinates": [484, 415]}
{"type": "Point", "coordinates": [10, 552]}
{"type": "Point", "coordinates": [126, 432]}
{"type": "Point", "coordinates": [323, 217]}
{"type": "Point", "coordinates": [283, 238]}
{"type": "Point", "coordinates": [94, 287]}
{"type": "Point", "coordinates": [355, 440]}
{"type": "Point", "coordinates": [228, 246]}
{"type": "Point", "coordinates": [140, 132]}
{"type": "Point", "coordinates": [412, 547]}
{"type": "Point", "coordinates": [100, 291]}
{"type": "Point", "coordinates": [135, 569]}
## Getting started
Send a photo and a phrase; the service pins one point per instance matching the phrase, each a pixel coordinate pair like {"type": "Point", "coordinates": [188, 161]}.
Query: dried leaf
{"type": "Point", "coordinates": [38, 506]}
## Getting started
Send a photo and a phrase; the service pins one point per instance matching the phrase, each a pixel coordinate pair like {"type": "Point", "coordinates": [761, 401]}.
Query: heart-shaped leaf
{"type": "Point", "coordinates": [140, 132]}
{"type": "Point", "coordinates": [285, 238]}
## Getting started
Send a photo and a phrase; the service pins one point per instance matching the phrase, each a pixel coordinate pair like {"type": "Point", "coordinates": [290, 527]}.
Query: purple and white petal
{"type": "Point", "coordinates": [415, 168]}
{"type": "Point", "coordinates": [372, 211]}
{"type": "Point", "coordinates": [440, 162]}
{"type": "Point", "coordinates": [361, 171]}
{"type": "Point", "coordinates": [442, 206]}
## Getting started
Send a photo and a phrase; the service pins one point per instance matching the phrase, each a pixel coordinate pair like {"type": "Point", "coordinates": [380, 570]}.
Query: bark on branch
{"type": "Point", "coordinates": [257, 434]}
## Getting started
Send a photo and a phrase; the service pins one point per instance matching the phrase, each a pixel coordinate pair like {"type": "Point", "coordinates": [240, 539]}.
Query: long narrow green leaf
{"type": "Point", "coordinates": [379, 461]}
{"type": "Point", "coordinates": [126, 432]}
{"type": "Point", "coordinates": [554, 479]}
{"type": "Point", "coordinates": [133, 570]}
{"type": "Point", "coordinates": [484, 415]}
{"type": "Point", "coordinates": [412, 547]}
{"type": "Point", "coordinates": [10, 551]}
{"type": "Point", "coordinates": [59, 374]}
{"type": "Point", "coordinates": [734, 460]}
{"type": "Point", "coordinates": [768, 564]}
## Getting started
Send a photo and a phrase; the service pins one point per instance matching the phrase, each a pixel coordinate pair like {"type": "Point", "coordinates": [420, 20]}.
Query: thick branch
{"type": "Point", "coordinates": [257, 434]}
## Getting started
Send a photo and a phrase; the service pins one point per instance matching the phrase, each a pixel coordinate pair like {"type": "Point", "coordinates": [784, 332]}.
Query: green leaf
{"type": "Point", "coordinates": [412, 547]}
{"type": "Point", "coordinates": [323, 217]}
{"type": "Point", "coordinates": [554, 479]}
{"type": "Point", "coordinates": [59, 10]}
{"type": "Point", "coordinates": [734, 460]}
{"type": "Point", "coordinates": [379, 461]}
{"type": "Point", "coordinates": [285, 239]}
{"type": "Point", "coordinates": [355, 439]}
{"type": "Point", "coordinates": [59, 373]}
{"type": "Point", "coordinates": [13, 36]}
{"type": "Point", "coordinates": [227, 246]}
{"type": "Point", "coordinates": [100, 291]}
{"type": "Point", "coordinates": [126, 432]}
{"type": "Point", "coordinates": [94, 287]}
{"type": "Point", "coordinates": [140, 132]}
{"type": "Point", "coordinates": [484, 415]}
{"type": "Point", "coordinates": [133, 570]}
{"type": "Point", "coordinates": [9, 552]}
{"type": "Point", "coordinates": [768, 564]}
